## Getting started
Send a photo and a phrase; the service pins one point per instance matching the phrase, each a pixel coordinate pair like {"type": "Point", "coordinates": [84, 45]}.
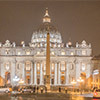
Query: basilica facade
{"type": "Point", "coordinates": [26, 65]}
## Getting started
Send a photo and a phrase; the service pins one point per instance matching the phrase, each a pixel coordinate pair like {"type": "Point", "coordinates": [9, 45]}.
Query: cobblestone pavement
{"type": "Point", "coordinates": [44, 96]}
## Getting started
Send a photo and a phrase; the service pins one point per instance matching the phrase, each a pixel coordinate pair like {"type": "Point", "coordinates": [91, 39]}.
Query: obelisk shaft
{"type": "Point", "coordinates": [48, 62]}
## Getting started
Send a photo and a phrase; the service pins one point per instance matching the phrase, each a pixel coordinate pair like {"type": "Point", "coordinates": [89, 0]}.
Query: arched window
{"type": "Point", "coordinates": [28, 66]}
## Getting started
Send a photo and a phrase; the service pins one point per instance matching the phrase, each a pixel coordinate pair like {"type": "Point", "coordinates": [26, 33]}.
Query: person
{"type": "Point", "coordinates": [37, 89]}
{"type": "Point", "coordinates": [59, 89]}
{"type": "Point", "coordinates": [45, 89]}
{"type": "Point", "coordinates": [41, 89]}
{"type": "Point", "coordinates": [34, 89]}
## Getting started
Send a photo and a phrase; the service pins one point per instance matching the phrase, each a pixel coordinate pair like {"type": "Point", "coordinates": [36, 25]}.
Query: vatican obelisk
{"type": "Point", "coordinates": [48, 63]}
{"type": "Point", "coordinates": [47, 19]}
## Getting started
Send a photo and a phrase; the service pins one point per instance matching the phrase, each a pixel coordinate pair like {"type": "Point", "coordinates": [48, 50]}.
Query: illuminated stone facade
{"type": "Point", "coordinates": [27, 64]}
{"type": "Point", "coordinates": [96, 72]}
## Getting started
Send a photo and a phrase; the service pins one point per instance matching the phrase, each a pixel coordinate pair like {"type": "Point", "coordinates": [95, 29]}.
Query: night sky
{"type": "Point", "coordinates": [75, 20]}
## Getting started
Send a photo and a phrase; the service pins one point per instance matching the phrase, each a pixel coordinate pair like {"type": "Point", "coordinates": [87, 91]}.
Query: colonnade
{"type": "Point", "coordinates": [56, 76]}
{"type": "Point", "coordinates": [34, 75]}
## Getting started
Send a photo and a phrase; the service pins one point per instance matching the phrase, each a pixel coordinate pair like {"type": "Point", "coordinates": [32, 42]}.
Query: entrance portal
{"type": "Point", "coordinates": [83, 76]}
{"type": "Point", "coordinates": [7, 78]}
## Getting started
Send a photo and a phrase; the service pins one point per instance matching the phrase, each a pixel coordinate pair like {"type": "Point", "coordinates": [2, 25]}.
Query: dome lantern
{"type": "Point", "coordinates": [46, 17]}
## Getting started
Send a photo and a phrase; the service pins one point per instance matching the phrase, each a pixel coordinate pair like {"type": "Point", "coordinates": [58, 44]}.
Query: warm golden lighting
{"type": "Point", "coordinates": [62, 53]}
{"type": "Point", "coordinates": [21, 81]}
{"type": "Point", "coordinates": [73, 82]}
{"type": "Point", "coordinates": [80, 80]}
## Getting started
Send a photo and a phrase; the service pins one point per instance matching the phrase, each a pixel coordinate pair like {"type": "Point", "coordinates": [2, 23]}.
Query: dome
{"type": "Point", "coordinates": [39, 36]}
{"type": "Point", "coordinates": [47, 27]}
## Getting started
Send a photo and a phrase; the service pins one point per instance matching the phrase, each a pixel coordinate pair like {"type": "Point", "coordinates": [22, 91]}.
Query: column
{"type": "Point", "coordinates": [12, 72]}
{"type": "Point", "coordinates": [59, 74]}
{"type": "Point", "coordinates": [3, 72]}
{"type": "Point", "coordinates": [35, 74]}
{"type": "Point", "coordinates": [67, 73]}
{"type": "Point", "coordinates": [78, 66]}
{"type": "Point", "coordinates": [55, 76]}
{"type": "Point", "coordinates": [23, 73]}
{"type": "Point", "coordinates": [32, 73]}
{"type": "Point", "coordinates": [41, 74]}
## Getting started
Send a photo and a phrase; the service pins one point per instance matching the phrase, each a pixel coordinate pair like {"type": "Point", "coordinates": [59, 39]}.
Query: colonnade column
{"type": "Point", "coordinates": [67, 73]}
{"type": "Point", "coordinates": [12, 72]}
{"type": "Point", "coordinates": [78, 66]}
{"type": "Point", "coordinates": [41, 74]}
{"type": "Point", "coordinates": [35, 74]}
{"type": "Point", "coordinates": [32, 73]}
{"type": "Point", "coordinates": [55, 76]}
{"type": "Point", "coordinates": [59, 74]}
{"type": "Point", "coordinates": [23, 73]}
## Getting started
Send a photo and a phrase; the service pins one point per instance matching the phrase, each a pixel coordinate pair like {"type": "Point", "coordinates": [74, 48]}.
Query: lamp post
{"type": "Point", "coordinates": [73, 83]}
{"type": "Point", "coordinates": [80, 80]}
{"type": "Point", "coordinates": [21, 82]}
{"type": "Point", "coordinates": [16, 79]}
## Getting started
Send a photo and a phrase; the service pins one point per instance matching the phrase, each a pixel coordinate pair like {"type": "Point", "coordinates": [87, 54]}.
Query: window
{"type": "Point", "coordinates": [44, 73]}
{"type": "Point", "coordinates": [83, 67]}
{"type": "Point", "coordinates": [38, 66]}
{"type": "Point", "coordinates": [7, 66]}
{"type": "Point", "coordinates": [7, 51]}
{"type": "Point", "coordinates": [38, 52]}
{"type": "Point", "coordinates": [45, 67]}
{"type": "Point", "coordinates": [52, 67]}
{"type": "Point", "coordinates": [62, 53]}
{"type": "Point", "coordinates": [83, 52]}
{"type": "Point", "coordinates": [63, 67]}
{"type": "Point", "coordinates": [72, 53]}
{"type": "Point", "coordinates": [28, 66]}
{"type": "Point", "coordinates": [59, 45]}
{"type": "Point", "coordinates": [52, 53]}
{"type": "Point", "coordinates": [28, 52]}
{"type": "Point", "coordinates": [19, 53]}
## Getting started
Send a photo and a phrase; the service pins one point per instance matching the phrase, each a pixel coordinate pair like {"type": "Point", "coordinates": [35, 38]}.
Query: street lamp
{"type": "Point", "coordinates": [16, 79]}
{"type": "Point", "coordinates": [21, 81]}
{"type": "Point", "coordinates": [73, 83]}
{"type": "Point", "coordinates": [80, 80]}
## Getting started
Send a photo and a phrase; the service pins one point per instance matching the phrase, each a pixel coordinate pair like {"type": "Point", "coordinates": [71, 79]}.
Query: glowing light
{"type": "Point", "coordinates": [44, 73]}
{"type": "Point", "coordinates": [95, 72]}
{"type": "Point", "coordinates": [52, 67]}
{"type": "Point", "coordinates": [72, 53]}
{"type": "Point", "coordinates": [38, 68]}
{"type": "Point", "coordinates": [22, 42]}
{"type": "Point", "coordinates": [83, 52]}
{"type": "Point", "coordinates": [52, 53]}
{"type": "Point", "coordinates": [28, 52]}
{"type": "Point", "coordinates": [38, 52]}
{"type": "Point", "coordinates": [16, 79]}
{"type": "Point", "coordinates": [62, 53]}
{"type": "Point", "coordinates": [80, 79]}
{"type": "Point", "coordinates": [19, 53]}
{"type": "Point", "coordinates": [73, 82]}
{"type": "Point", "coordinates": [21, 81]}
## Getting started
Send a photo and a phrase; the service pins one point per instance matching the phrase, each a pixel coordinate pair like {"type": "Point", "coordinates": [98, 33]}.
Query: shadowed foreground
{"type": "Point", "coordinates": [48, 96]}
